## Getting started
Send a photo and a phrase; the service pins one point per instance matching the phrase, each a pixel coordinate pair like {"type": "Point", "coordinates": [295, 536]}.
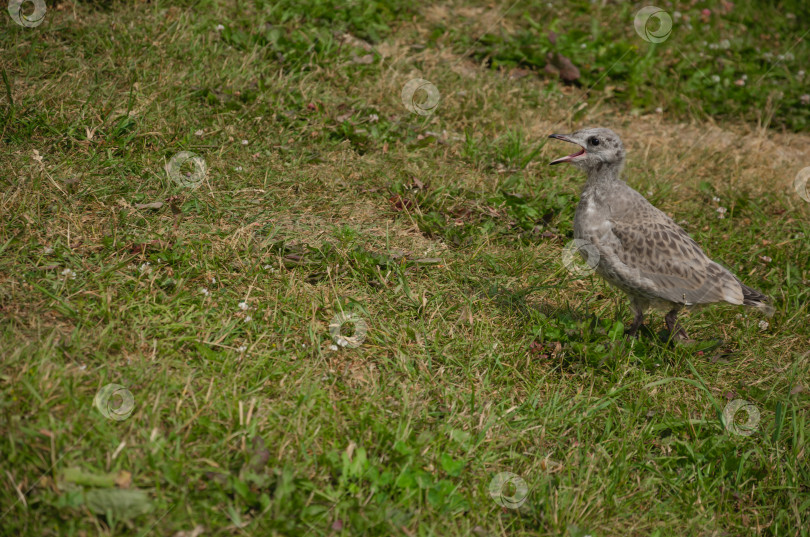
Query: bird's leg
{"type": "Point", "coordinates": [638, 310]}
{"type": "Point", "coordinates": [632, 330]}
{"type": "Point", "coordinates": [676, 331]}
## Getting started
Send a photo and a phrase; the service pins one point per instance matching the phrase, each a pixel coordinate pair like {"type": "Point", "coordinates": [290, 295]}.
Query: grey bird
{"type": "Point", "coordinates": [639, 249]}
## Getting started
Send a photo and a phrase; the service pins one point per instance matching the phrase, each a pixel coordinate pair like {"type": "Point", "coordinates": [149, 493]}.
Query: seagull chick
{"type": "Point", "coordinates": [640, 249]}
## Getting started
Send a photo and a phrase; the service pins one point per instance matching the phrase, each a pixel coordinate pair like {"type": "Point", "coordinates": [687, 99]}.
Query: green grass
{"type": "Point", "coordinates": [443, 233]}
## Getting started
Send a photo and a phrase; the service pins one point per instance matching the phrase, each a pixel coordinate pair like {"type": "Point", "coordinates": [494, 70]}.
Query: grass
{"type": "Point", "coordinates": [444, 233]}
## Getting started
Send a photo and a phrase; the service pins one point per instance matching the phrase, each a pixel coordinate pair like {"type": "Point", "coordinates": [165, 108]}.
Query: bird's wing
{"type": "Point", "coordinates": [655, 255]}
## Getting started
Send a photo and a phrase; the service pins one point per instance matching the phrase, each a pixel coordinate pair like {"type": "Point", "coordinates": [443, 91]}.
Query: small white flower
{"type": "Point", "coordinates": [763, 325]}
{"type": "Point", "coordinates": [715, 199]}
{"type": "Point", "coordinates": [220, 27]}
{"type": "Point", "coordinates": [198, 133]}
{"type": "Point", "coordinates": [724, 44]}
{"type": "Point", "coordinates": [213, 280]}
{"type": "Point", "coordinates": [800, 74]}
{"type": "Point", "coordinates": [204, 291]}
{"type": "Point", "coordinates": [583, 45]}
{"type": "Point", "coordinates": [677, 15]}
{"type": "Point", "coordinates": [722, 210]}
{"type": "Point", "coordinates": [805, 99]}
{"type": "Point", "coordinates": [333, 347]}
{"type": "Point", "coordinates": [342, 342]}
{"type": "Point", "coordinates": [244, 306]}
{"type": "Point", "coordinates": [145, 268]}
{"type": "Point", "coordinates": [243, 348]}
{"type": "Point", "coordinates": [765, 258]}
{"type": "Point", "coordinates": [248, 318]}
{"type": "Point", "coordinates": [47, 250]}
{"type": "Point", "coordinates": [715, 79]}
{"type": "Point", "coordinates": [373, 118]}
{"type": "Point", "coordinates": [739, 82]}
{"type": "Point", "coordinates": [245, 142]}
{"type": "Point", "coordinates": [713, 46]}
{"type": "Point", "coordinates": [68, 273]}
{"type": "Point", "coordinates": [238, 168]}
{"type": "Point", "coordinates": [659, 110]}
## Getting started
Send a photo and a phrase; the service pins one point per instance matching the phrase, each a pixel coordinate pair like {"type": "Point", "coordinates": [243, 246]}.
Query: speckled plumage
{"type": "Point", "coordinates": [642, 251]}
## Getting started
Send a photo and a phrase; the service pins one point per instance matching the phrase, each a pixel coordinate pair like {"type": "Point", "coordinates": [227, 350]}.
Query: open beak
{"type": "Point", "coordinates": [572, 156]}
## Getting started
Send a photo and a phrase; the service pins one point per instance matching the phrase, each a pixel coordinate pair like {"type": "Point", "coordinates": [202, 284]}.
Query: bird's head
{"type": "Point", "coordinates": [599, 148]}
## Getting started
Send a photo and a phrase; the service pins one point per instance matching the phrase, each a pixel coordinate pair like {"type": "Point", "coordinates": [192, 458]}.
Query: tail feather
{"type": "Point", "coordinates": [752, 297]}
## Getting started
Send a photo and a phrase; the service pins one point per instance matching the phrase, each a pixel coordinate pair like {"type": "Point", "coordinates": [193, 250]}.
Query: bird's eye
{"type": "Point", "coordinates": [594, 141]}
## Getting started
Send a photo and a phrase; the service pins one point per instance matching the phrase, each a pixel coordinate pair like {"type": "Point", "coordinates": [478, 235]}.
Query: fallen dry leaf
{"type": "Point", "coordinates": [153, 205]}
{"type": "Point", "coordinates": [198, 530]}
{"type": "Point", "coordinates": [123, 479]}
{"type": "Point", "coordinates": [364, 59]}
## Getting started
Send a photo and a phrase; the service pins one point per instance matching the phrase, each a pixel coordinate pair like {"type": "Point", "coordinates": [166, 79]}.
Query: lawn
{"type": "Point", "coordinates": [298, 268]}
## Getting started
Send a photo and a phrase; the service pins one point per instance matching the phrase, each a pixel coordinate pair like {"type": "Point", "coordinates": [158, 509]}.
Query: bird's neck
{"type": "Point", "coordinates": [604, 175]}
